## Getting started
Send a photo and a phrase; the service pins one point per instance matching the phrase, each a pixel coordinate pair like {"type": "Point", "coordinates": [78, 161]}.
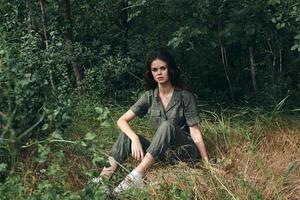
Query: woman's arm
{"type": "Point", "coordinates": [123, 124]}
{"type": "Point", "coordinates": [197, 138]}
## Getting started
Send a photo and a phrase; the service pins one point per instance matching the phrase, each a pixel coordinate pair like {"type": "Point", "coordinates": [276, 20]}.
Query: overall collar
{"type": "Point", "coordinates": [174, 99]}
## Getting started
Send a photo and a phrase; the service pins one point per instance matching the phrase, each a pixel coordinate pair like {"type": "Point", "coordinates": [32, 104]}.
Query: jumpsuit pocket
{"type": "Point", "coordinates": [177, 117]}
{"type": "Point", "coordinates": [155, 115]}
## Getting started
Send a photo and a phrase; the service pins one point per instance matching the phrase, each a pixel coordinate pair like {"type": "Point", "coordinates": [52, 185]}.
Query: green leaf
{"type": "Point", "coordinates": [53, 170]}
{"type": "Point", "coordinates": [90, 136]}
{"type": "Point", "coordinates": [3, 167]}
{"type": "Point", "coordinates": [294, 47]}
{"type": "Point", "coordinates": [99, 110]}
{"type": "Point", "coordinates": [43, 151]}
{"type": "Point", "coordinates": [27, 75]}
{"type": "Point", "coordinates": [274, 20]}
{"type": "Point", "coordinates": [105, 124]}
{"type": "Point", "coordinates": [45, 127]}
{"type": "Point", "coordinates": [297, 37]}
{"type": "Point", "coordinates": [291, 167]}
{"type": "Point", "coordinates": [83, 144]}
{"type": "Point", "coordinates": [65, 117]}
{"type": "Point", "coordinates": [55, 113]}
{"type": "Point", "coordinates": [96, 159]}
{"type": "Point", "coordinates": [57, 135]}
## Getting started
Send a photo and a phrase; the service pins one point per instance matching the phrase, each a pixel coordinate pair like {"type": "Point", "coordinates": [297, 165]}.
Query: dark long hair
{"type": "Point", "coordinates": [173, 71]}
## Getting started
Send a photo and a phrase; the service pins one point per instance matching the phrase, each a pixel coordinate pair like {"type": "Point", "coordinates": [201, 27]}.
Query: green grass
{"type": "Point", "coordinates": [241, 144]}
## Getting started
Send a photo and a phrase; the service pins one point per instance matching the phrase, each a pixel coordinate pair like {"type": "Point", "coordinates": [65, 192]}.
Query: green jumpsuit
{"type": "Point", "coordinates": [171, 127]}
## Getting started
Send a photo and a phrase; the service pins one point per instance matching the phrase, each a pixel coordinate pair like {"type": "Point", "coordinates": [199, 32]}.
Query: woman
{"type": "Point", "coordinates": [173, 110]}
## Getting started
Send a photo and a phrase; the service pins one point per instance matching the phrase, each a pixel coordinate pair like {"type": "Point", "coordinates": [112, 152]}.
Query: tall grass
{"type": "Point", "coordinates": [239, 144]}
{"type": "Point", "coordinates": [248, 150]}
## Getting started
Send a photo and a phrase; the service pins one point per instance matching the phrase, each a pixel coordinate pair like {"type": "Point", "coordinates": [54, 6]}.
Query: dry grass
{"type": "Point", "coordinates": [266, 169]}
{"type": "Point", "coordinates": [253, 161]}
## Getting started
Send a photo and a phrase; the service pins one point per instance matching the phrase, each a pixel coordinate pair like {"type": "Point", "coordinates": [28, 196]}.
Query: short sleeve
{"type": "Point", "coordinates": [190, 109]}
{"type": "Point", "coordinates": [140, 108]}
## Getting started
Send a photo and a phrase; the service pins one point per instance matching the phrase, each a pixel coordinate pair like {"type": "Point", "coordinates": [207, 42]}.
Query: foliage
{"type": "Point", "coordinates": [47, 170]}
{"type": "Point", "coordinates": [33, 82]}
{"type": "Point", "coordinates": [110, 78]}
{"type": "Point", "coordinates": [244, 52]}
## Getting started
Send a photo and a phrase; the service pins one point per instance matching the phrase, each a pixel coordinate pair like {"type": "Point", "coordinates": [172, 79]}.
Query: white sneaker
{"type": "Point", "coordinates": [130, 182]}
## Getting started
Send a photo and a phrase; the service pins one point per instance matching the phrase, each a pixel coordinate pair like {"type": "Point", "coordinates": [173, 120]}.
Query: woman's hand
{"type": "Point", "coordinates": [213, 169]}
{"type": "Point", "coordinates": [137, 149]}
{"type": "Point", "coordinates": [136, 146]}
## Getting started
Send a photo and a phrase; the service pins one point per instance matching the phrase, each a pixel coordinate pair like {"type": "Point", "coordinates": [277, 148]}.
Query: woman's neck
{"type": "Point", "coordinates": [165, 89]}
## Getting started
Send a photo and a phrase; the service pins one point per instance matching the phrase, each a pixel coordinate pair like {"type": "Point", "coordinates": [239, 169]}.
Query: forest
{"type": "Point", "coordinates": [69, 69]}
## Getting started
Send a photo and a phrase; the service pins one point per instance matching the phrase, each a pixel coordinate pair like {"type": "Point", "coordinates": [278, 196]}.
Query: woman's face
{"type": "Point", "coordinates": [159, 70]}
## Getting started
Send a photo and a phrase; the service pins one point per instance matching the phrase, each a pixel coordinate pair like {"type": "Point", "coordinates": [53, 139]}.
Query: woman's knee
{"type": "Point", "coordinates": [121, 148]}
{"type": "Point", "coordinates": [122, 138]}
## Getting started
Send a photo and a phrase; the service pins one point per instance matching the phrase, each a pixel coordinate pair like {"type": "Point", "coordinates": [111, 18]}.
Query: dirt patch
{"type": "Point", "coordinates": [75, 178]}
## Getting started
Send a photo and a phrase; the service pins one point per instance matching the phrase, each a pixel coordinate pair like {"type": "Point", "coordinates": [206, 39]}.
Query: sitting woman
{"type": "Point", "coordinates": [174, 113]}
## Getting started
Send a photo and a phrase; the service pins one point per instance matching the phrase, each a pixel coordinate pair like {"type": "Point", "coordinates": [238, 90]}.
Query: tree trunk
{"type": "Point", "coordinates": [225, 65]}
{"type": "Point", "coordinates": [298, 82]}
{"type": "Point", "coordinates": [122, 23]}
{"type": "Point", "coordinates": [272, 68]}
{"type": "Point", "coordinates": [68, 34]}
{"type": "Point", "coordinates": [45, 39]}
{"type": "Point", "coordinates": [253, 70]}
{"type": "Point", "coordinates": [42, 5]}
{"type": "Point", "coordinates": [280, 60]}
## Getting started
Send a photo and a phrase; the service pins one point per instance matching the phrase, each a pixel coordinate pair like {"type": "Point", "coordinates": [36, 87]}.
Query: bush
{"type": "Point", "coordinates": [111, 77]}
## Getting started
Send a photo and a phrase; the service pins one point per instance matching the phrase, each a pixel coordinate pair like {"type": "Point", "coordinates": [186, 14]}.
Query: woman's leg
{"type": "Point", "coordinates": [109, 171]}
{"type": "Point", "coordinates": [120, 152]}
{"type": "Point", "coordinates": [187, 150]}
{"type": "Point", "coordinates": [164, 137]}
{"type": "Point", "coordinates": [168, 135]}
{"type": "Point", "coordinates": [145, 164]}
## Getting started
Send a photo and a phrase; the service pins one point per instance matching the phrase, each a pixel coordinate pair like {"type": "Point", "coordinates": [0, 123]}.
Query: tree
{"type": "Point", "coordinates": [69, 39]}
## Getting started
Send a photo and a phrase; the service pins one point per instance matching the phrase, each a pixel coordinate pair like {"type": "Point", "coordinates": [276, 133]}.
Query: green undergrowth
{"type": "Point", "coordinates": [61, 166]}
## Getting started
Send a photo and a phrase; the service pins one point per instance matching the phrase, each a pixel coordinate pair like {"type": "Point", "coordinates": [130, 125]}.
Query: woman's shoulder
{"type": "Point", "coordinates": [151, 92]}
{"type": "Point", "coordinates": [184, 92]}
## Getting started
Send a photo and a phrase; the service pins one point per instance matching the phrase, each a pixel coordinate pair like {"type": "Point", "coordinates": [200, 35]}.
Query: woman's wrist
{"type": "Point", "coordinates": [134, 137]}
{"type": "Point", "coordinates": [207, 164]}
{"type": "Point", "coordinates": [205, 159]}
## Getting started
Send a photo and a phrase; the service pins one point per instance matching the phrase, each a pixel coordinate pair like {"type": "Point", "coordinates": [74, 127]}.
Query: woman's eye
{"type": "Point", "coordinates": [154, 70]}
